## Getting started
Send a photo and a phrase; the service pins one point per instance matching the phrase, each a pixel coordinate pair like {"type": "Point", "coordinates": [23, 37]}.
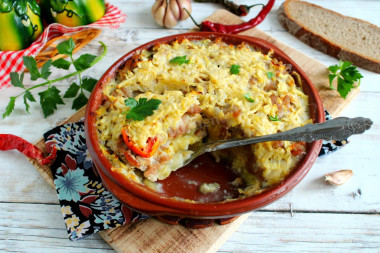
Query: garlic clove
{"type": "Point", "coordinates": [169, 20]}
{"type": "Point", "coordinates": [174, 6]}
{"type": "Point", "coordinates": [155, 6]}
{"type": "Point", "coordinates": [159, 15]}
{"type": "Point", "coordinates": [338, 177]}
{"type": "Point", "coordinates": [184, 4]}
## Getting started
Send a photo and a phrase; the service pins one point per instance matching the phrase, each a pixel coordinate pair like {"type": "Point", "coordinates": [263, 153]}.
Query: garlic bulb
{"type": "Point", "coordinates": [168, 12]}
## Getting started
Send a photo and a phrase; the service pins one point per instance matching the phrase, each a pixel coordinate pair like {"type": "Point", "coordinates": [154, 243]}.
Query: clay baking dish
{"type": "Point", "coordinates": [176, 188]}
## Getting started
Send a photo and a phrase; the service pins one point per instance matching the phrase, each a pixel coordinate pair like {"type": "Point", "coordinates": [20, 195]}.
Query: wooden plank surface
{"type": "Point", "coordinates": [142, 236]}
{"type": "Point", "coordinates": [263, 232]}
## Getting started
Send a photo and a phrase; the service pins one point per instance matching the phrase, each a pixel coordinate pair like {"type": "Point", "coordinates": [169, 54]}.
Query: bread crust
{"type": "Point", "coordinates": [323, 44]}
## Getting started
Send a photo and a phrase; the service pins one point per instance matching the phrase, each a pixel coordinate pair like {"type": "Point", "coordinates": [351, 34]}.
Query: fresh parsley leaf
{"type": "Point", "coordinates": [31, 64]}
{"type": "Point", "coordinates": [130, 102]}
{"type": "Point", "coordinates": [334, 69]}
{"type": "Point", "coordinates": [344, 87]}
{"type": "Point", "coordinates": [66, 47]}
{"type": "Point", "coordinates": [270, 75]}
{"type": "Point", "coordinates": [351, 73]}
{"type": "Point", "coordinates": [10, 107]}
{"type": "Point", "coordinates": [72, 91]}
{"type": "Point", "coordinates": [89, 83]}
{"type": "Point", "coordinates": [344, 64]}
{"type": "Point", "coordinates": [61, 64]}
{"type": "Point", "coordinates": [16, 80]}
{"type": "Point", "coordinates": [235, 69]}
{"type": "Point", "coordinates": [45, 70]}
{"type": "Point", "coordinates": [49, 99]}
{"type": "Point", "coordinates": [142, 108]}
{"type": "Point", "coordinates": [179, 60]}
{"type": "Point", "coordinates": [248, 97]}
{"type": "Point", "coordinates": [84, 61]}
{"type": "Point", "coordinates": [22, 77]}
{"type": "Point", "coordinates": [79, 101]}
{"type": "Point", "coordinates": [26, 103]}
{"type": "Point", "coordinates": [347, 75]}
{"type": "Point", "coordinates": [275, 118]}
{"type": "Point", "coordinates": [28, 96]}
{"type": "Point", "coordinates": [331, 79]}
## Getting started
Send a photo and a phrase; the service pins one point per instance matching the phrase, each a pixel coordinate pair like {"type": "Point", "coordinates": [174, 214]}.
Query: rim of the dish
{"type": "Point", "coordinates": [236, 206]}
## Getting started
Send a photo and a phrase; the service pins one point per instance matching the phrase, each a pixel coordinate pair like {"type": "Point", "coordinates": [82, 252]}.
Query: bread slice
{"type": "Point", "coordinates": [346, 38]}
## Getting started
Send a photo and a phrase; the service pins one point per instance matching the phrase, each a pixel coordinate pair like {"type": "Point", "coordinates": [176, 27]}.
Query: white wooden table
{"type": "Point", "coordinates": [324, 218]}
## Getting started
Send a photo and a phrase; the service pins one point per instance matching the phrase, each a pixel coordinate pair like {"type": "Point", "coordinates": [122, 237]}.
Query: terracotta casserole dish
{"type": "Point", "coordinates": [179, 198]}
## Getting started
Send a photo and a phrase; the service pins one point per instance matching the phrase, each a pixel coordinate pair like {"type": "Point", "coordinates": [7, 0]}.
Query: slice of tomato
{"type": "Point", "coordinates": [148, 151]}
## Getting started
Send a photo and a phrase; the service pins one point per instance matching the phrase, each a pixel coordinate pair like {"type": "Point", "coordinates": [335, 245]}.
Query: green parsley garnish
{"type": "Point", "coordinates": [275, 118]}
{"type": "Point", "coordinates": [248, 97]}
{"type": "Point", "coordinates": [142, 108]}
{"type": "Point", "coordinates": [235, 69]}
{"type": "Point", "coordinates": [179, 60]}
{"type": "Point", "coordinates": [347, 76]}
{"type": "Point", "coordinates": [270, 75]}
{"type": "Point", "coordinates": [51, 97]}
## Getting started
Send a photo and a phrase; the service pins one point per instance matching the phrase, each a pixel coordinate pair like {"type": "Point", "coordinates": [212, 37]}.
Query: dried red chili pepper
{"type": "Point", "coordinates": [208, 26]}
{"type": "Point", "coordinates": [244, 9]}
{"type": "Point", "coordinates": [10, 141]}
{"type": "Point", "coordinates": [240, 10]}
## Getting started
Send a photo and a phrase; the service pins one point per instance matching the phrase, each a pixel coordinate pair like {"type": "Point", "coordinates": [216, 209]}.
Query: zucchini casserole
{"type": "Point", "coordinates": [202, 90]}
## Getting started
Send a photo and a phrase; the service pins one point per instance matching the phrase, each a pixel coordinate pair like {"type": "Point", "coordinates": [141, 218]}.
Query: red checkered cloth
{"type": "Point", "coordinates": [12, 61]}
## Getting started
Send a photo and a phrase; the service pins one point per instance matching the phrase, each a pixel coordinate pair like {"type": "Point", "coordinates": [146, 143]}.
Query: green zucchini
{"type": "Point", "coordinates": [21, 24]}
{"type": "Point", "coordinates": [72, 12]}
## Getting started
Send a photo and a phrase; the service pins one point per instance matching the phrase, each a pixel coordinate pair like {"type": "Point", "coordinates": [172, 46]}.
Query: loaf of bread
{"type": "Point", "coordinates": [346, 38]}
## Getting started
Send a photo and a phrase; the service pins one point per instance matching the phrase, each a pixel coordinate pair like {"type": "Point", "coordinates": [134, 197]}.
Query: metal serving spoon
{"type": "Point", "coordinates": [335, 129]}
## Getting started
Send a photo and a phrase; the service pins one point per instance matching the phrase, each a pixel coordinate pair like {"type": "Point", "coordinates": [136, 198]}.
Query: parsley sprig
{"type": "Point", "coordinates": [235, 69]}
{"type": "Point", "coordinates": [141, 109]}
{"type": "Point", "coordinates": [270, 75]}
{"type": "Point", "coordinates": [275, 118]}
{"type": "Point", "coordinates": [51, 98]}
{"type": "Point", "coordinates": [347, 75]}
{"type": "Point", "coordinates": [247, 96]}
{"type": "Point", "coordinates": [179, 60]}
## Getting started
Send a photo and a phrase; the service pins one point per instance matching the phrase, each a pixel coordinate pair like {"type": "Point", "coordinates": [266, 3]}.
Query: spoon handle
{"type": "Point", "coordinates": [335, 129]}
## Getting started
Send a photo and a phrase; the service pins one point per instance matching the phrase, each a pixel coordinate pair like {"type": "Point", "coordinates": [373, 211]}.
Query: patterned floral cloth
{"type": "Point", "coordinates": [331, 146]}
{"type": "Point", "coordinates": [87, 207]}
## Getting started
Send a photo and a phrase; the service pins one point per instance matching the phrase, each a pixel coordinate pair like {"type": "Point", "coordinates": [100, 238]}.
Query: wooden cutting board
{"type": "Point", "coordinates": [152, 235]}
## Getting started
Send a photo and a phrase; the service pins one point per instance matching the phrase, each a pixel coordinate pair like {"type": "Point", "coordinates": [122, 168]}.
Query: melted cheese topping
{"type": "Point", "coordinates": [166, 118]}
{"type": "Point", "coordinates": [202, 99]}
